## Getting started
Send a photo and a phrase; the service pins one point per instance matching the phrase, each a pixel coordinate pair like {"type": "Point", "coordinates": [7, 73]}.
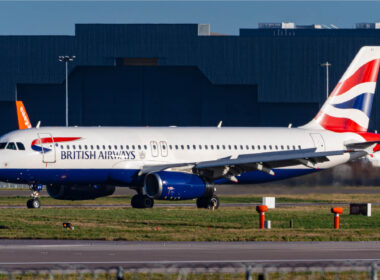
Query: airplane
{"type": "Point", "coordinates": [179, 163]}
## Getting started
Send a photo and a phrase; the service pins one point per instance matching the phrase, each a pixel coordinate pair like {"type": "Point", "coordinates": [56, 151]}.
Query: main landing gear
{"type": "Point", "coordinates": [211, 202]}
{"type": "Point", "coordinates": [142, 201]}
{"type": "Point", "coordinates": [34, 201]}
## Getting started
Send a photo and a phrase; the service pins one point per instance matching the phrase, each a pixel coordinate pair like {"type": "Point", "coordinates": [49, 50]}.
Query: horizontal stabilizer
{"type": "Point", "coordinates": [361, 145]}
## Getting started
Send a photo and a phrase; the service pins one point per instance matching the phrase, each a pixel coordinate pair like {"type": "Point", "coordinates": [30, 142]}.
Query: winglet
{"type": "Point", "coordinates": [22, 116]}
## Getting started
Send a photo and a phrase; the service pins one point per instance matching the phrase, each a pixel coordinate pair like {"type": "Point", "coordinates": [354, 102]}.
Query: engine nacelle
{"type": "Point", "coordinates": [79, 192]}
{"type": "Point", "coordinates": [175, 186]}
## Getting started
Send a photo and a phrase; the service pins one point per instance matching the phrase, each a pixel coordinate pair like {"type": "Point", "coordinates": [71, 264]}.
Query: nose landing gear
{"type": "Point", "coordinates": [34, 201]}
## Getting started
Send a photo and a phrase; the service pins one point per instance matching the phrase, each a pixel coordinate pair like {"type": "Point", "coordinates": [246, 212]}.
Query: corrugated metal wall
{"type": "Point", "coordinates": [261, 77]}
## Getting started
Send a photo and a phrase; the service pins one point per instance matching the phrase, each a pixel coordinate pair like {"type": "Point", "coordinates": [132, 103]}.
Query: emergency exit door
{"type": "Point", "coordinates": [319, 143]}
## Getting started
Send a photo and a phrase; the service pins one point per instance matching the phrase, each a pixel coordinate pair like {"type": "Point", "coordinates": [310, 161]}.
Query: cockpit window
{"type": "Point", "coordinates": [2, 145]}
{"type": "Point", "coordinates": [20, 146]}
{"type": "Point", "coordinates": [11, 146]}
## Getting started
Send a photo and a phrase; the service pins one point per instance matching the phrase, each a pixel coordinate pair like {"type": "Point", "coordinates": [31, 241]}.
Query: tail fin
{"type": "Point", "coordinates": [348, 107]}
{"type": "Point", "coordinates": [22, 116]}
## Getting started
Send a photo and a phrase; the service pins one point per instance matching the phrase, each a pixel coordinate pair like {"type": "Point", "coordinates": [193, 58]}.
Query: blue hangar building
{"type": "Point", "coordinates": [176, 74]}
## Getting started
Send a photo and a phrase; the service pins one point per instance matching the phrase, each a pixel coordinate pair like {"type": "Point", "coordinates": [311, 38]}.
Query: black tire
{"type": "Point", "coordinates": [208, 202]}
{"type": "Point", "coordinates": [142, 201]}
{"type": "Point", "coordinates": [29, 203]}
{"type": "Point", "coordinates": [136, 201]}
{"type": "Point", "coordinates": [201, 202]}
{"type": "Point", "coordinates": [147, 202]}
{"type": "Point", "coordinates": [213, 202]}
{"type": "Point", "coordinates": [33, 204]}
{"type": "Point", "coordinates": [36, 203]}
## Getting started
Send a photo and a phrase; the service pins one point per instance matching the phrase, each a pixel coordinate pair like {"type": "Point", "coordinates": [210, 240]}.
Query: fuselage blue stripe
{"type": "Point", "coordinates": [122, 177]}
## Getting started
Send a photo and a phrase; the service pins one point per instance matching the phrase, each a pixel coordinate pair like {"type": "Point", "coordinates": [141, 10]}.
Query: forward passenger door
{"type": "Point", "coordinates": [48, 147]}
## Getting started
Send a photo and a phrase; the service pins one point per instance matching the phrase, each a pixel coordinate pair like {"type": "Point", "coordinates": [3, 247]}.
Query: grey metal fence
{"type": "Point", "coordinates": [249, 271]}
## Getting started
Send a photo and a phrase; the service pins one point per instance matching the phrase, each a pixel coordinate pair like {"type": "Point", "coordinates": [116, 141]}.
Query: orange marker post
{"type": "Point", "coordinates": [336, 211]}
{"type": "Point", "coordinates": [261, 209]}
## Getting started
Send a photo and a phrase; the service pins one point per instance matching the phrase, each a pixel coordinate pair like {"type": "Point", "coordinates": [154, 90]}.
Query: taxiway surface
{"type": "Point", "coordinates": [51, 254]}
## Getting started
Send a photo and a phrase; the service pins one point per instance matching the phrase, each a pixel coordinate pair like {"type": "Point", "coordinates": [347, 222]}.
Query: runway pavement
{"type": "Point", "coordinates": [52, 254]}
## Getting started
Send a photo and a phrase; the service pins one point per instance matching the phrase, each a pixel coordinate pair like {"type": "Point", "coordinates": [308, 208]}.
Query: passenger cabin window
{"type": "Point", "coordinates": [11, 146]}
{"type": "Point", "coordinates": [20, 146]}
{"type": "Point", "coordinates": [2, 145]}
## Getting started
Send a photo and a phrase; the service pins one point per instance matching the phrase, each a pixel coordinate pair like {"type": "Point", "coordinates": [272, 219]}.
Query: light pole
{"type": "Point", "coordinates": [327, 65]}
{"type": "Point", "coordinates": [66, 59]}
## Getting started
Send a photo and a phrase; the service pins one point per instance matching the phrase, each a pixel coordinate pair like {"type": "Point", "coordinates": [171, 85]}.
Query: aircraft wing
{"type": "Point", "coordinates": [269, 157]}
{"type": "Point", "coordinates": [249, 162]}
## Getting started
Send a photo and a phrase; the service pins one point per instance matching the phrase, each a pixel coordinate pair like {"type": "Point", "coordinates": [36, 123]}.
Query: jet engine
{"type": "Point", "coordinates": [176, 186]}
{"type": "Point", "coordinates": [79, 192]}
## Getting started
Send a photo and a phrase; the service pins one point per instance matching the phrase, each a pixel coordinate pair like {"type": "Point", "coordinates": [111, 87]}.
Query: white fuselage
{"type": "Point", "coordinates": [114, 155]}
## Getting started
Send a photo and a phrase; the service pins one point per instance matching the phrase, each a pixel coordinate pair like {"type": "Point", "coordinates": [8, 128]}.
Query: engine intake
{"type": "Point", "coordinates": [79, 192]}
{"type": "Point", "coordinates": [176, 186]}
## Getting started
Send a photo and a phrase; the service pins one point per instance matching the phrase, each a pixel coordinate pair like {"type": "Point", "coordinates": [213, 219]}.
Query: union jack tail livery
{"type": "Point", "coordinates": [348, 107]}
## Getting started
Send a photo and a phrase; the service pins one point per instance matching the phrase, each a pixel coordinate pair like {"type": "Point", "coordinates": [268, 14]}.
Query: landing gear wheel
{"type": "Point", "coordinates": [147, 202]}
{"type": "Point", "coordinates": [142, 201]}
{"type": "Point", "coordinates": [33, 203]}
{"type": "Point", "coordinates": [135, 201]}
{"type": "Point", "coordinates": [208, 202]}
{"type": "Point", "coordinates": [213, 202]}
{"type": "Point", "coordinates": [201, 202]}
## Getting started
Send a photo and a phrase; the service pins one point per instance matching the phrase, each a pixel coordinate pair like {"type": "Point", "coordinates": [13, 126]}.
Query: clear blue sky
{"type": "Point", "coordinates": [59, 17]}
